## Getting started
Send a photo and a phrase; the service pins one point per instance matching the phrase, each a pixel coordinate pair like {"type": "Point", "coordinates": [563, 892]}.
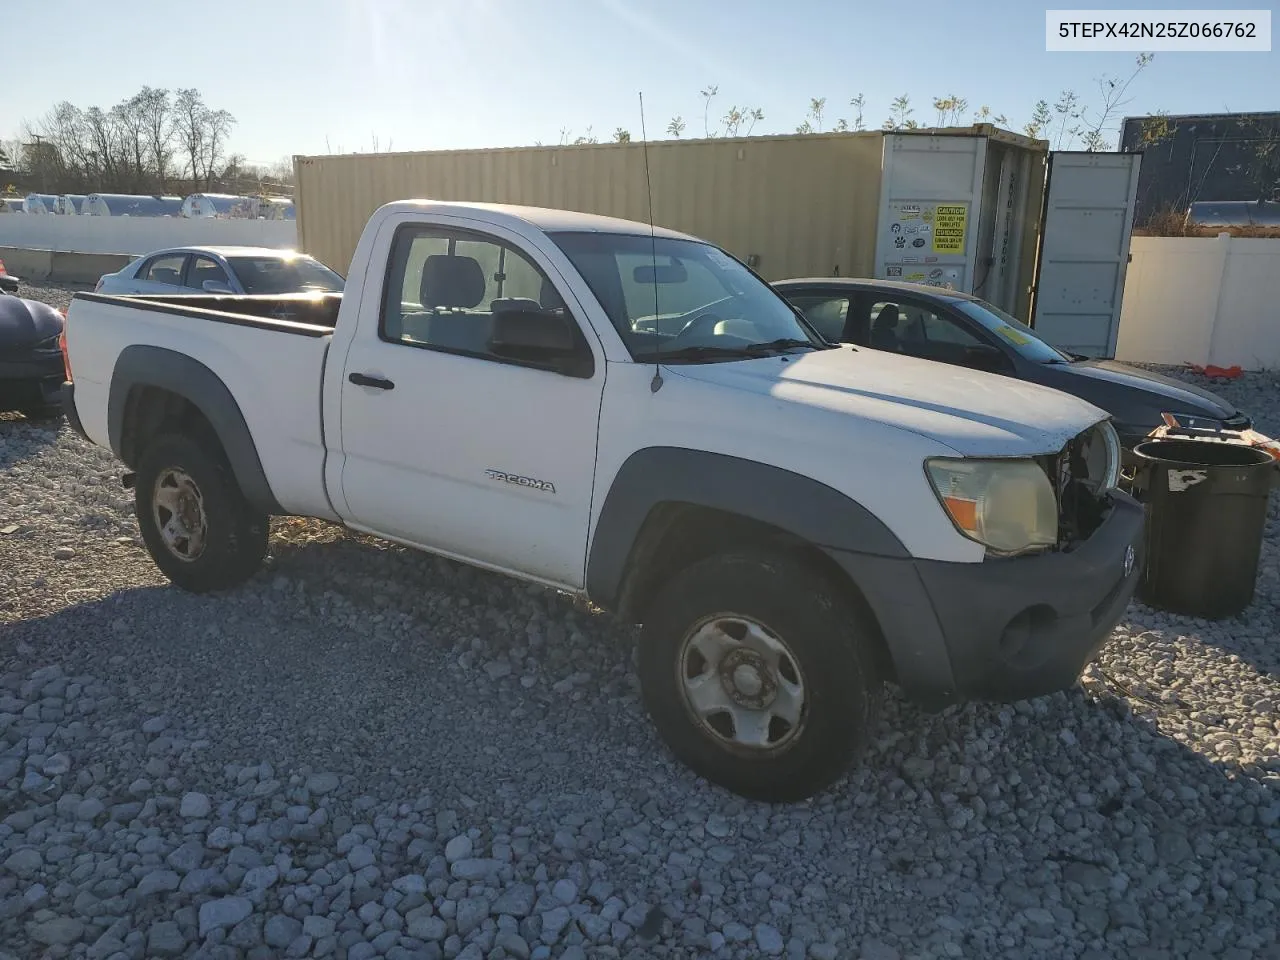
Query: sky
{"type": "Point", "coordinates": [327, 76]}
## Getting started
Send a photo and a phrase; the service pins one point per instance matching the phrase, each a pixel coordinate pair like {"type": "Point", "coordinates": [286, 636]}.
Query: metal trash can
{"type": "Point", "coordinates": [1206, 505]}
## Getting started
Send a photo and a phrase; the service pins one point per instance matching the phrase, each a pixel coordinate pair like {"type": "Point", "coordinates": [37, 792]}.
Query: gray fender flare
{"type": "Point", "coordinates": [146, 366]}
{"type": "Point", "coordinates": [799, 505]}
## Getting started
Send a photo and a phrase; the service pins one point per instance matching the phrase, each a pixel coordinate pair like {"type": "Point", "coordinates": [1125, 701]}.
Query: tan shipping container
{"type": "Point", "coordinates": [790, 206]}
{"type": "Point", "coordinates": [801, 205]}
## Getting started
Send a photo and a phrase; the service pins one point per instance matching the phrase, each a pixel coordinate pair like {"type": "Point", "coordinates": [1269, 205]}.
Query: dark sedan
{"type": "Point", "coordinates": [950, 327]}
{"type": "Point", "coordinates": [31, 370]}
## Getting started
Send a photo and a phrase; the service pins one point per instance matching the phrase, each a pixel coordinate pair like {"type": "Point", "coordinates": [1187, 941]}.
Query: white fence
{"type": "Point", "coordinates": [1202, 301]}
{"type": "Point", "coordinates": [138, 235]}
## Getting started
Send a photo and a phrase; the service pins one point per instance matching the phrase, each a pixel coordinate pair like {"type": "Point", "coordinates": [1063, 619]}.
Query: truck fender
{"type": "Point", "coordinates": [799, 505]}
{"type": "Point", "coordinates": [147, 366]}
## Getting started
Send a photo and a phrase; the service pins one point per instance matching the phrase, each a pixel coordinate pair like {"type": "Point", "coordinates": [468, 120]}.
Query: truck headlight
{"type": "Point", "coordinates": [1007, 505]}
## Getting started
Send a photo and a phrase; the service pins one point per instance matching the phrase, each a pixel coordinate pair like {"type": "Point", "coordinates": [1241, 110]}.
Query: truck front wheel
{"type": "Point", "coordinates": [758, 677]}
{"type": "Point", "coordinates": [197, 525]}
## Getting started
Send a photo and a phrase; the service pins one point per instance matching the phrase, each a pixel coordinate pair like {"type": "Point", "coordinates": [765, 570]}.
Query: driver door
{"type": "Point", "coordinates": [448, 445]}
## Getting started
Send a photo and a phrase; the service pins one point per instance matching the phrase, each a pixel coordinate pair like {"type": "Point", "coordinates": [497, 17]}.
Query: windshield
{"type": "Point", "coordinates": [272, 275]}
{"type": "Point", "coordinates": [1011, 330]}
{"type": "Point", "coordinates": [692, 302]}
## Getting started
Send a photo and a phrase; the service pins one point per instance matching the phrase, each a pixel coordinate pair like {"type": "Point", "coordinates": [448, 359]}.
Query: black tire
{"type": "Point", "coordinates": [235, 541]}
{"type": "Point", "coordinates": [826, 637]}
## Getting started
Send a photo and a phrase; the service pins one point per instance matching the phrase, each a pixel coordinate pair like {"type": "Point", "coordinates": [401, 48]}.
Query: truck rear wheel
{"type": "Point", "coordinates": [758, 676]}
{"type": "Point", "coordinates": [197, 525]}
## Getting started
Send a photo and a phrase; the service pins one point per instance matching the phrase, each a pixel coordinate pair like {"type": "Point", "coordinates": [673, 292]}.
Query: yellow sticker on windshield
{"type": "Point", "coordinates": [1013, 336]}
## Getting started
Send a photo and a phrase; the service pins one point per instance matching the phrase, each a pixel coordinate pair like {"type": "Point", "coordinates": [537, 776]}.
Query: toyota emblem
{"type": "Point", "coordinates": [1128, 560]}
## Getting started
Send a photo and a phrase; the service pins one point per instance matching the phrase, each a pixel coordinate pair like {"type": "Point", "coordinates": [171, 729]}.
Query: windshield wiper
{"type": "Point", "coordinates": [711, 352]}
{"type": "Point", "coordinates": [696, 353]}
{"type": "Point", "coordinates": [782, 343]}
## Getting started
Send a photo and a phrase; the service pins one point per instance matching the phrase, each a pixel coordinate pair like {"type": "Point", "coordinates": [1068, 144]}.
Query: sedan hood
{"type": "Point", "coordinates": [976, 414]}
{"type": "Point", "coordinates": [26, 322]}
{"type": "Point", "coordinates": [1182, 397]}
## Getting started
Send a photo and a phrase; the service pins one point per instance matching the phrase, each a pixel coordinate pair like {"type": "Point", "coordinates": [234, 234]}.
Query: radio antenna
{"type": "Point", "coordinates": [656, 383]}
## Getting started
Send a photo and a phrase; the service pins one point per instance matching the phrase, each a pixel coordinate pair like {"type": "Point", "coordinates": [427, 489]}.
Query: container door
{"type": "Point", "coordinates": [930, 199]}
{"type": "Point", "coordinates": [1084, 250]}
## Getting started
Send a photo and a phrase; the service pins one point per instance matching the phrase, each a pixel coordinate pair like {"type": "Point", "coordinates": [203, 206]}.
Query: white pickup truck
{"type": "Point", "coordinates": [637, 418]}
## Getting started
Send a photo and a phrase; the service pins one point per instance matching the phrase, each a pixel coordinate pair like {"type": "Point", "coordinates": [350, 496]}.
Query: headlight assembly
{"type": "Point", "coordinates": [1008, 505]}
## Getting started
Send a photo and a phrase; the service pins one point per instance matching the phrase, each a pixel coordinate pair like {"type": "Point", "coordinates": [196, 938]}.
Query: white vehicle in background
{"type": "Point", "coordinates": [13, 205]}
{"type": "Point", "coordinates": [253, 271]}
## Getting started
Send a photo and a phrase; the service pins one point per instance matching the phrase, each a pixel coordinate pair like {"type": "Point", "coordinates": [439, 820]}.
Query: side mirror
{"type": "Point", "coordinates": [215, 286]}
{"type": "Point", "coordinates": [986, 358]}
{"type": "Point", "coordinates": [523, 330]}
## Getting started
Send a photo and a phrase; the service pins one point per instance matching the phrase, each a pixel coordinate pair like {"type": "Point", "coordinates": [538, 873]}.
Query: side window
{"type": "Point", "coordinates": [904, 326]}
{"type": "Point", "coordinates": [826, 313]}
{"type": "Point", "coordinates": [165, 270]}
{"type": "Point", "coordinates": [202, 269]}
{"type": "Point", "coordinates": [442, 286]}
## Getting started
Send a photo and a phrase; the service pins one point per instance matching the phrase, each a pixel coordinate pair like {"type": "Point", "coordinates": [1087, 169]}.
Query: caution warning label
{"type": "Point", "coordinates": [949, 226]}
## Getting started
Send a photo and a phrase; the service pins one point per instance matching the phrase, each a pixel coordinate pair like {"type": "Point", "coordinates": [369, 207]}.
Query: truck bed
{"type": "Point", "coordinates": [274, 380]}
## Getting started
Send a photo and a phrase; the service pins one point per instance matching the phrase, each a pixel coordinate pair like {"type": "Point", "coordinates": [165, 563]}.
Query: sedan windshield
{"type": "Point", "coordinates": [683, 299]}
{"type": "Point", "coordinates": [274, 275]}
{"type": "Point", "coordinates": [1011, 330]}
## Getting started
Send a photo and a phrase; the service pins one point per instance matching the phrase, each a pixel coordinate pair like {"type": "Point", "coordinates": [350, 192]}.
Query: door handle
{"type": "Point", "coordinates": [364, 380]}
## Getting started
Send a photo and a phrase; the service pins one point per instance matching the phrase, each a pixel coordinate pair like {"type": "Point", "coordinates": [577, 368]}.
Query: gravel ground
{"type": "Point", "coordinates": [370, 752]}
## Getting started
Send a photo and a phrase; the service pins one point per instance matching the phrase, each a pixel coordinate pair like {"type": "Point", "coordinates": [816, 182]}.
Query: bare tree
{"type": "Point", "coordinates": [1097, 123]}
{"type": "Point", "coordinates": [189, 111]}
{"type": "Point", "coordinates": [217, 130]}
{"type": "Point", "coordinates": [155, 109]}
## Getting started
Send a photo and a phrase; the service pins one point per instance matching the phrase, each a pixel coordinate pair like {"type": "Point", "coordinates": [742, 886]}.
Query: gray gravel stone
{"type": "Point", "coordinates": [57, 932]}
{"type": "Point", "coordinates": [195, 806]}
{"type": "Point", "coordinates": [158, 881]}
{"type": "Point", "coordinates": [222, 913]}
{"type": "Point", "coordinates": [165, 939]}
{"type": "Point", "coordinates": [280, 931]}
{"type": "Point", "coordinates": [1127, 817]}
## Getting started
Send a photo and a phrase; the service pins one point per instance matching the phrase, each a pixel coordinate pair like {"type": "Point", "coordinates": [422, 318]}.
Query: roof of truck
{"type": "Point", "coordinates": [544, 218]}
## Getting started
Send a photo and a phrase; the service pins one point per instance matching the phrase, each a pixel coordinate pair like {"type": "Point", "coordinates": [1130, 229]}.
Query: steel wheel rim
{"type": "Point", "coordinates": [742, 684]}
{"type": "Point", "coordinates": [177, 507]}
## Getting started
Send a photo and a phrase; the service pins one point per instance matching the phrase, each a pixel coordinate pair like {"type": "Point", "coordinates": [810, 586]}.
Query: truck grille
{"type": "Point", "coordinates": [1079, 474]}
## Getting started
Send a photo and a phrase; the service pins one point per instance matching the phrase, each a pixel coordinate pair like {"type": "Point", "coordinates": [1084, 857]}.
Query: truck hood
{"type": "Point", "coordinates": [975, 414]}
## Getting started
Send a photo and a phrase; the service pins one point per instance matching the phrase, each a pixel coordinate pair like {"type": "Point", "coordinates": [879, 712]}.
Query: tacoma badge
{"type": "Point", "coordinates": [519, 481]}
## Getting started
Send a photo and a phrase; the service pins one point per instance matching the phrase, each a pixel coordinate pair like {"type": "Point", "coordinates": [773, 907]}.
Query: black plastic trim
{"type": "Point", "coordinates": [943, 622]}
{"type": "Point", "coordinates": [68, 401]}
{"type": "Point", "coordinates": [141, 365]}
{"type": "Point", "coordinates": [789, 501]}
